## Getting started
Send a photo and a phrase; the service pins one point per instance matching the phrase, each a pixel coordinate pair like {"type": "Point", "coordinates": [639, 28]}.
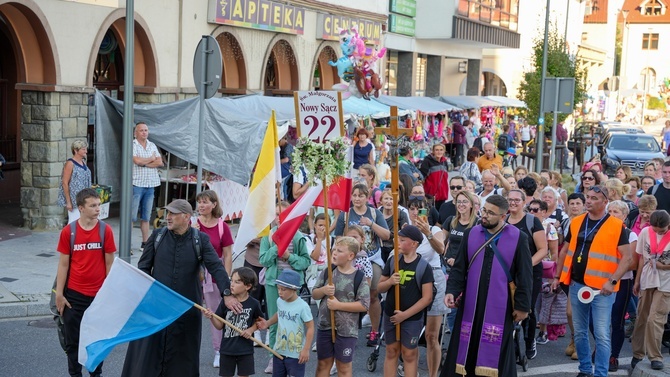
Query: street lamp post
{"type": "Point", "coordinates": [622, 69]}
{"type": "Point", "coordinates": [647, 82]}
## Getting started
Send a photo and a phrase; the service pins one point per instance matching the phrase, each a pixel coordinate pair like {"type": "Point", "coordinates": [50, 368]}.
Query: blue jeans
{"type": "Point", "coordinates": [601, 312]}
{"type": "Point", "coordinates": [143, 200]}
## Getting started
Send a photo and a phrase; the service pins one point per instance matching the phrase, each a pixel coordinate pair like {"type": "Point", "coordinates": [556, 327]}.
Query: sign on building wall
{"type": "Point", "coordinates": [406, 7]}
{"type": "Point", "coordinates": [402, 25]}
{"type": "Point", "coordinates": [258, 14]}
{"type": "Point", "coordinates": [328, 27]}
{"type": "Point", "coordinates": [319, 115]}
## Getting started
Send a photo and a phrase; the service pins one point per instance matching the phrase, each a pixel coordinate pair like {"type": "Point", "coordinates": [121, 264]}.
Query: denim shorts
{"type": "Point", "coordinates": [143, 201]}
{"type": "Point", "coordinates": [410, 332]}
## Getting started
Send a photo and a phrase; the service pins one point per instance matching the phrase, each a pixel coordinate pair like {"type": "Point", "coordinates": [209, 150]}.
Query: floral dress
{"type": "Point", "coordinates": [79, 180]}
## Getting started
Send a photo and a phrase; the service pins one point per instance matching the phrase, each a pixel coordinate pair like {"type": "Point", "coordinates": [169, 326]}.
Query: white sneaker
{"type": "Point", "coordinates": [257, 335]}
{"type": "Point", "coordinates": [217, 356]}
{"type": "Point", "coordinates": [314, 347]}
{"type": "Point", "coordinates": [365, 322]}
{"type": "Point", "coordinates": [333, 370]}
{"type": "Point", "coordinates": [268, 370]}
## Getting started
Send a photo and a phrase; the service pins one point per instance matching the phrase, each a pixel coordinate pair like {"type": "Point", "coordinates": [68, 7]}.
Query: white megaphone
{"type": "Point", "coordinates": [587, 294]}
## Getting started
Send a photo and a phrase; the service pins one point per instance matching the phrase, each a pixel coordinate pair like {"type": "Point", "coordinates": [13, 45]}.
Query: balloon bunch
{"type": "Point", "coordinates": [357, 66]}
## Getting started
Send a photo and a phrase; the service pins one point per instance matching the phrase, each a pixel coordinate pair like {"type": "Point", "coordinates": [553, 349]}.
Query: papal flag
{"type": "Point", "coordinates": [260, 209]}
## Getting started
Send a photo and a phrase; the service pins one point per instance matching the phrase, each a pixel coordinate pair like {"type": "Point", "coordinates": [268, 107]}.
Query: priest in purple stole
{"type": "Point", "coordinates": [482, 343]}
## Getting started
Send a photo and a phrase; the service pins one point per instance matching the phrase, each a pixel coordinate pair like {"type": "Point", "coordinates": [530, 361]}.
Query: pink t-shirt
{"type": "Point", "coordinates": [219, 241]}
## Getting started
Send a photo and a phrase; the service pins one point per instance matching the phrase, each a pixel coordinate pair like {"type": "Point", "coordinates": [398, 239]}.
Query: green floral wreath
{"type": "Point", "coordinates": [322, 160]}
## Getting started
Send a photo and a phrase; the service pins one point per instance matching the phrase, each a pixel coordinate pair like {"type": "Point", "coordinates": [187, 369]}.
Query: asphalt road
{"type": "Point", "coordinates": [29, 347]}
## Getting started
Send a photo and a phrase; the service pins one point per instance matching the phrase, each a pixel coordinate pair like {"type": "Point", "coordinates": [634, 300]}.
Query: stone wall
{"type": "Point", "coordinates": [50, 122]}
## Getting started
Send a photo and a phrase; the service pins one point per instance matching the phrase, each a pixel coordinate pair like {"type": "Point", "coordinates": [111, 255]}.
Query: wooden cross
{"type": "Point", "coordinates": [397, 138]}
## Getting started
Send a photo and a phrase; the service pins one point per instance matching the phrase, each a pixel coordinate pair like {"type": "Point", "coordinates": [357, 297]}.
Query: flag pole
{"type": "Point", "coordinates": [239, 330]}
{"type": "Point", "coordinates": [328, 253]}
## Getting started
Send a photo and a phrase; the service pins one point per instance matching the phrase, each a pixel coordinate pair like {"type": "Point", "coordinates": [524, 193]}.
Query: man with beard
{"type": "Point", "coordinates": [171, 256]}
{"type": "Point", "coordinates": [596, 254]}
{"type": "Point", "coordinates": [491, 256]}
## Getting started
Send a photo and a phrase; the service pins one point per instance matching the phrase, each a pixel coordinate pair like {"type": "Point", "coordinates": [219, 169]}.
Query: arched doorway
{"type": "Point", "coordinates": [234, 74]}
{"type": "Point", "coordinates": [27, 57]}
{"type": "Point", "coordinates": [106, 62]}
{"type": "Point", "coordinates": [281, 71]}
{"type": "Point", "coordinates": [325, 76]}
{"type": "Point", "coordinates": [493, 85]}
{"type": "Point", "coordinates": [106, 71]}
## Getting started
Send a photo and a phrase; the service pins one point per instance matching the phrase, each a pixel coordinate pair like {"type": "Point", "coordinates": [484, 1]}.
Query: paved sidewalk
{"type": "Point", "coordinates": [28, 268]}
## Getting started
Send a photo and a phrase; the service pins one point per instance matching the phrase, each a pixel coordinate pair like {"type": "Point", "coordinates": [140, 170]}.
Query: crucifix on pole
{"type": "Point", "coordinates": [397, 138]}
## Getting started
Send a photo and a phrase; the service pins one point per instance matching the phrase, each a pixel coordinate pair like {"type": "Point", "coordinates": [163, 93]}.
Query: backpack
{"type": "Point", "coordinates": [530, 220]}
{"type": "Point", "coordinates": [478, 144]}
{"type": "Point", "coordinates": [654, 189]}
{"type": "Point", "coordinates": [52, 302]}
{"type": "Point", "coordinates": [196, 242]}
{"type": "Point", "coordinates": [358, 278]}
{"type": "Point", "coordinates": [503, 142]}
{"type": "Point", "coordinates": [418, 276]}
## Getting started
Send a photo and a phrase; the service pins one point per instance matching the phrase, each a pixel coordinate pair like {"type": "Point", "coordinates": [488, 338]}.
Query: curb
{"type": "Point", "coordinates": [24, 309]}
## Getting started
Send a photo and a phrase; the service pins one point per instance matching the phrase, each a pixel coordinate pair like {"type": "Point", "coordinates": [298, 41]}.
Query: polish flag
{"type": "Point", "coordinates": [291, 218]}
{"type": "Point", "coordinates": [339, 192]}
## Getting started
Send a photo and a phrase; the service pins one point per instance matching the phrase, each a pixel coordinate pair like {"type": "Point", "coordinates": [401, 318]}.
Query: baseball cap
{"type": "Point", "coordinates": [289, 279]}
{"type": "Point", "coordinates": [411, 232]}
{"type": "Point", "coordinates": [180, 206]}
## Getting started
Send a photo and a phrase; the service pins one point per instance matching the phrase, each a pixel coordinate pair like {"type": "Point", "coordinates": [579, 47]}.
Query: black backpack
{"type": "Point", "coordinates": [478, 144]}
{"type": "Point", "coordinates": [418, 276]}
{"type": "Point", "coordinates": [503, 142]}
{"type": "Point", "coordinates": [52, 304]}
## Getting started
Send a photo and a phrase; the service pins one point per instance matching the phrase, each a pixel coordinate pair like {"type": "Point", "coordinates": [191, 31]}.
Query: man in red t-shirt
{"type": "Point", "coordinates": [81, 272]}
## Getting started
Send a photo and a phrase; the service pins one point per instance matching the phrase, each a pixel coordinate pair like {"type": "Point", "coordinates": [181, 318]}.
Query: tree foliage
{"type": "Point", "coordinates": [559, 64]}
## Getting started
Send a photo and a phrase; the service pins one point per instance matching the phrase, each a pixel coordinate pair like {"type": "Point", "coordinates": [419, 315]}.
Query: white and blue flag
{"type": "Point", "coordinates": [130, 305]}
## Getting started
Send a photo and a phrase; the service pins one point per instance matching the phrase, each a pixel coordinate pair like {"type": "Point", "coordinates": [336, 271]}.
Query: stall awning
{"type": "Point", "coordinates": [507, 101]}
{"type": "Point", "coordinates": [424, 104]}
{"type": "Point", "coordinates": [468, 102]}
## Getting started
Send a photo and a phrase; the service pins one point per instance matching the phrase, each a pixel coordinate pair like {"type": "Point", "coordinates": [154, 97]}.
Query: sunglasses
{"type": "Point", "coordinates": [599, 190]}
{"type": "Point", "coordinates": [585, 178]}
{"type": "Point", "coordinates": [533, 210]}
{"type": "Point", "coordinates": [456, 187]}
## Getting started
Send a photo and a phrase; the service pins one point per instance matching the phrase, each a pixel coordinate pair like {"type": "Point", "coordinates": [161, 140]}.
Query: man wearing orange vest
{"type": "Point", "coordinates": [595, 255]}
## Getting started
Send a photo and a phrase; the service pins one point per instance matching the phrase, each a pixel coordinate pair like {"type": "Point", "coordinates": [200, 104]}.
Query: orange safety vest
{"type": "Point", "coordinates": [604, 256]}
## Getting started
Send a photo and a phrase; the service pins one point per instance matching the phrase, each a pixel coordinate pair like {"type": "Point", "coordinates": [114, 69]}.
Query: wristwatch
{"type": "Point", "coordinates": [430, 236]}
{"type": "Point", "coordinates": [226, 292]}
{"type": "Point", "coordinates": [614, 281]}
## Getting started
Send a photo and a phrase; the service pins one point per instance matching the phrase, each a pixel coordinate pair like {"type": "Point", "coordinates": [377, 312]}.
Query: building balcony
{"type": "Point", "coordinates": [484, 34]}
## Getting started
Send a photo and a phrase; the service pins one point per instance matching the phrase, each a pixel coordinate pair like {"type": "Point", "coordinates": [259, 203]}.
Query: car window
{"type": "Point", "coordinates": [633, 143]}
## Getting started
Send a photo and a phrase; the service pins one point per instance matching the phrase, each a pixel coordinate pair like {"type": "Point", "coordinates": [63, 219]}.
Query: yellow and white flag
{"type": "Point", "coordinates": [259, 211]}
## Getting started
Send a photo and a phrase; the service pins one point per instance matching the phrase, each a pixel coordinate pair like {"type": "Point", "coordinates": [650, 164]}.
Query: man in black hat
{"type": "Point", "coordinates": [174, 257]}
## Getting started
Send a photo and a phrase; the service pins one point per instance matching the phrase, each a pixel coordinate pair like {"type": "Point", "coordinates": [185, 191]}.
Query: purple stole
{"type": "Point", "coordinates": [490, 340]}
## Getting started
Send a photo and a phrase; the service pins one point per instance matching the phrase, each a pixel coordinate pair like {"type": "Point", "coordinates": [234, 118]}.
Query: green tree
{"type": "Point", "coordinates": [559, 64]}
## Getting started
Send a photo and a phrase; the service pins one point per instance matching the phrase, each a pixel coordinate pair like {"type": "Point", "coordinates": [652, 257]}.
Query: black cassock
{"type": "Point", "coordinates": [522, 272]}
{"type": "Point", "coordinates": [175, 350]}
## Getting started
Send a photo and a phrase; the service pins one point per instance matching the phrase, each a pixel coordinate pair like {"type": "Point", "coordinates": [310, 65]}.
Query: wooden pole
{"type": "Point", "coordinates": [395, 176]}
{"type": "Point", "coordinates": [394, 134]}
{"type": "Point", "coordinates": [239, 330]}
{"type": "Point", "coordinates": [328, 254]}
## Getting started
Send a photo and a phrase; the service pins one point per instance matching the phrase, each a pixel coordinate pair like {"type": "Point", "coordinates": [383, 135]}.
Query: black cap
{"type": "Point", "coordinates": [411, 232]}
